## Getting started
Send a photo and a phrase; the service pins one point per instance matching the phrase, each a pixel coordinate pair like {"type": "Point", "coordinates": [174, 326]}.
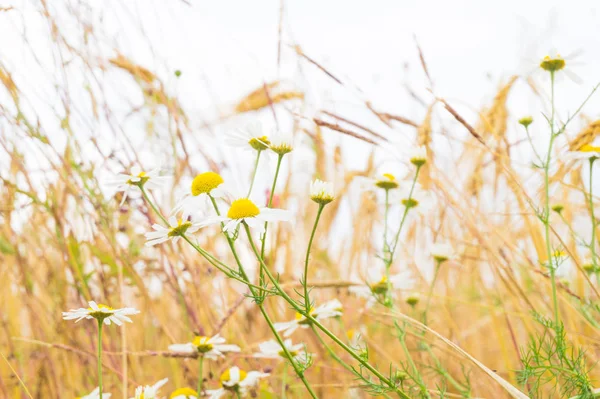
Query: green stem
{"type": "Point", "coordinates": [321, 327]}
{"type": "Point", "coordinates": [100, 324]}
{"type": "Point", "coordinates": [254, 173]}
{"type": "Point", "coordinates": [310, 241]}
{"type": "Point", "coordinates": [406, 209]}
{"type": "Point", "coordinates": [417, 375]}
{"type": "Point", "coordinates": [593, 241]}
{"type": "Point", "coordinates": [200, 374]}
{"type": "Point", "coordinates": [263, 239]}
{"type": "Point", "coordinates": [547, 207]}
{"type": "Point", "coordinates": [430, 294]}
{"type": "Point", "coordinates": [154, 208]}
{"type": "Point", "coordinates": [331, 352]}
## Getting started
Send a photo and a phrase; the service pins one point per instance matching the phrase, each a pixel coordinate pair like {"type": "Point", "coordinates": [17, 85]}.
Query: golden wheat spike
{"type": "Point", "coordinates": [135, 70]}
{"type": "Point", "coordinates": [264, 96]}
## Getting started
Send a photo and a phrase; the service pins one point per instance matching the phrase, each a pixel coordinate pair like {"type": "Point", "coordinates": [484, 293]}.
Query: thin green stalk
{"type": "Point", "coordinates": [593, 241]}
{"type": "Point", "coordinates": [100, 324]}
{"type": "Point", "coordinates": [270, 203]}
{"type": "Point", "coordinates": [331, 352]}
{"type": "Point", "coordinates": [430, 294]}
{"type": "Point", "coordinates": [200, 374]}
{"type": "Point", "coordinates": [261, 273]}
{"type": "Point", "coordinates": [547, 207]}
{"type": "Point", "coordinates": [310, 241]}
{"type": "Point", "coordinates": [406, 209]}
{"type": "Point", "coordinates": [154, 208]}
{"type": "Point", "coordinates": [417, 375]}
{"type": "Point", "coordinates": [321, 327]}
{"type": "Point", "coordinates": [254, 173]}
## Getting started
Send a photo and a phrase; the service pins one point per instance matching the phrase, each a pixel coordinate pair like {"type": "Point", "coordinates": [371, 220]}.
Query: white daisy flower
{"type": "Point", "coordinates": [441, 252]}
{"type": "Point", "coordinates": [585, 152]}
{"type": "Point", "coordinates": [184, 393]}
{"type": "Point", "coordinates": [210, 348]}
{"type": "Point", "coordinates": [386, 181]}
{"type": "Point", "coordinates": [554, 63]}
{"type": "Point", "coordinates": [101, 312]}
{"type": "Point", "coordinates": [418, 156]}
{"type": "Point", "coordinates": [176, 229]}
{"type": "Point", "coordinates": [282, 142]}
{"type": "Point", "coordinates": [244, 210]}
{"type": "Point", "coordinates": [251, 138]}
{"type": "Point", "coordinates": [420, 200]}
{"type": "Point", "coordinates": [272, 350]}
{"type": "Point", "coordinates": [95, 394]}
{"type": "Point", "coordinates": [329, 309]}
{"type": "Point", "coordinates": [137, 178]}
{"type": "Point", "coordinates": [149, 392]}
{"type": "Point", "coordinates": [377, 284]}
{"type": "Point", "coordinates": [237, 381]}
{"type": "Point", "coordinates": [321, 192]}
{"type": "Point", "coordinates": [204, 185]}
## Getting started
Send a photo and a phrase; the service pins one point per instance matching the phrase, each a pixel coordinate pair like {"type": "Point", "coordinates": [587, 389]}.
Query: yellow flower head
{"type": "Point", "coordinates": [185, 392]}
{"type": "Point", "coordinates": [242, 208]}
{"type": "Point", "coordinates": [202, 344]}
{"type": "Point", "coordinates": [388, 182]}
{"type": "Point", "coordinates": [205, 182]}
{"type": "Point", "coordinates": [553, 64]}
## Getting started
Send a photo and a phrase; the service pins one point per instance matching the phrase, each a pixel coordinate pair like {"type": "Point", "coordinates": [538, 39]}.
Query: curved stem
{"type": "Point", "coordinates": [546, 215]}
{"type": "Point", "coordinates": [310, 241]}
{"type": "Point", "coordinates": [435, 275]}
{"type": "Point", "coordinates": [406, 209]}
{"type": "Point", "coordinates": [263, 239]}
{"type": "Point", "coordinates": [100, 324]}
{"type": "Point", "coordinates": [254, 173]}
{"type": "Point", "coordinates": [331, 352]}
{"type": "Point", "coordinates": [593, 241]}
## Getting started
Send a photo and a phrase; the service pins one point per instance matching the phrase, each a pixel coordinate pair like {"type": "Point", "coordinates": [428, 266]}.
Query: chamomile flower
{"type": "Point", "coordinates": [282, 142]}
{"type": "Point", "coordinates": [418, 156]}
{"type": "Point", "coordinates": [555, 64]}
{"type": "Point", "coordinates": [176, 229]}
{"type": "Point", "coordinates": [378, 285]}
{"type": "Point", "coordinates": [419, 199]}
{"type": "Point", "coordinates": [136, 179]}
{"type": "Point", "coordinates": [102, 313]}
{"type": "Point", "coordinates": [585, 152]}
{"type": "Point", "coordinates": [149, 392]}
{"type": "Point", "coordinates": [386, 181]}
{"type": "Point", "coordinates": [321, 192]}
{"type": "Point", "coordinates": [204, 185]}
{"type": "Point", "coordinates": [211, 348]}
{"type": "Point", "coordinates": [236, 381]}
{"type": "Point", "coordinates": [272, 350]}
{"type": "Point", "coordinates": [244, 210]}
{"type": "Point", "coordinates": [441, 252]}
{"type": "Point", "coordinates": [251, 138]}
{"type": "Point", "coordinates": [95, 394]}
{"type": "Point", "coordinates": [184, 393]}
{"type": "Point", "coordinates": [329, 309]}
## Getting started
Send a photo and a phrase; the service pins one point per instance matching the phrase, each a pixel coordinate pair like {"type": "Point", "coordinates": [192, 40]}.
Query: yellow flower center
{"type": "Point", "coordinates": [259, 143]}
{"type": "Point", "coordinates": [410, 202]}
{"type": "Point", "coordinates": [205, 182]}
{"type": "Point", "coordinates": [303, 320]}
{"type": "Point", "coordinates": [589, 148]}
{"type": "Point", "coordinates": [143, 180]}
{"type": "Point", "coordinates": [201, 343]}
{"type": "Point", "coordinates": [242, 208]}
{"type": "Point", "coordinates": [102, 312]}
{"type": "Point", "coordinates": [184, 392]}
{"type": "Point", "coordinates": [380, 287]}
{"type": "Point", "coordinates": [388, 182]}
{"type": "Point", "coordinates": [552, 64]}
{"type": "Point", "coordinates": [292, 353]}
{"type": "Point", "coordinates": [180, 229]}
{"type": "Point", "coordinates": [226, 377]}
{"type": "Point", "coordinates": [418, 161]}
